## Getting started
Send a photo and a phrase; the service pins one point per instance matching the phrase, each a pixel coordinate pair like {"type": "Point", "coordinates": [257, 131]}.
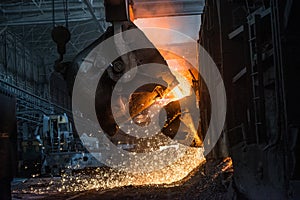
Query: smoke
{"type": "Point", "coordinates": [188, 25]}
{"type": "Point", "coordinates": [155, 9]}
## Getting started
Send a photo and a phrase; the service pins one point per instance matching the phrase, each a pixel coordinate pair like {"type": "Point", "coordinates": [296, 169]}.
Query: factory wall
{"type": "Point", "coordinates": [38, 91]}
{"type": "Point", "coordinates": [255, 46]}
{"type": "Point", "coordinates": [20, 67]}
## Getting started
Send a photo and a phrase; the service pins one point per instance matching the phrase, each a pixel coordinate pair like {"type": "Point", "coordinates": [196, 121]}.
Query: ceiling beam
{"type": "Point", "coordinates": [92, 11]}
{"type": "Point", "coordinates": [3, 29]}
{"type": "Point", "coordinates": [46, 21]}
{"type": "Point", "coordinates": [47, 9]}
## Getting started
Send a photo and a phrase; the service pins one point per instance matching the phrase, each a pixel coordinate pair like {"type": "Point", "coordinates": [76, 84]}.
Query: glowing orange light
{"type": "Point", "coordinates": [182, 90]}
{"type": "Point", "coordinates": [131, 13]}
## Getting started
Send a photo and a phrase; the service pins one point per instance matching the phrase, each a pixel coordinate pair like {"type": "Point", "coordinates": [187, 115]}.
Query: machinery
{"type": "Point", "coordinates": [57, 134]}
{"type": "Point", "coordinates": [141, 99]}
{"type": "Point", "coordinates": [54, 135]}
{"type": "Point", "coordinates": [55, 148]}
{"type": "Point", "coordinates": [61, 150]}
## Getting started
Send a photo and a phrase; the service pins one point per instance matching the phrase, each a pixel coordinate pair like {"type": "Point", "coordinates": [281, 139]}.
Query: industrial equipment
{"type": "Point", "coordinates": [55, 148]}
{"type": "Point", "coordinates": [61, 150]}
{"type": "Point", "coordinates": [57, 134]}
{"type": "Point", "coordinates": [143, 98]}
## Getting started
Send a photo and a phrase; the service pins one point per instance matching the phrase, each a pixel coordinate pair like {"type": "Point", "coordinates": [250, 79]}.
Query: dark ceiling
{"type": "Point", "coordinates": [32, 20]}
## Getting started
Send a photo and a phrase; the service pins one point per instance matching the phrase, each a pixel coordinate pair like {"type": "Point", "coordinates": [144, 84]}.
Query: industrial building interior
{"type": "Point", "coordinates": [149, 99]}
